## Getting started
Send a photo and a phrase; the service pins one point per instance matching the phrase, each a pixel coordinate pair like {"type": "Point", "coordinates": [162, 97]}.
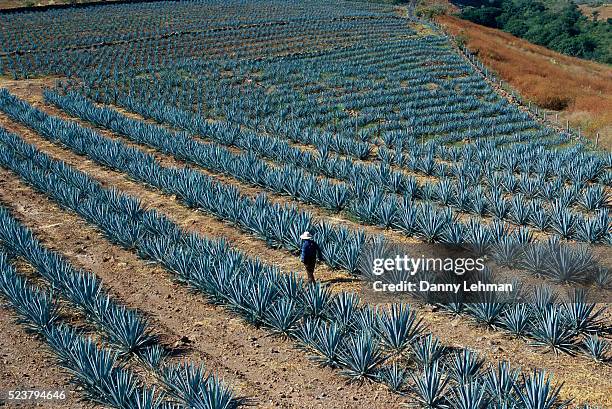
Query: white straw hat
{"type": "Point", "coordinates": [306, 236]}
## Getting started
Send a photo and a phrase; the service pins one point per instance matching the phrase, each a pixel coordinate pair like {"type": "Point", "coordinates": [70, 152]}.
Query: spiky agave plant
{"type": "Point", "coordinates": [596, 347]}
{"type": "Point", "coordinates": [394, 376]}
{"type": "Point", "coordinates": [488, 309]}
{"type": "Point", "coordinates": [552, 330]}
{"type": "Point", "coordinates": [258, 295]}
{"type": "Point", "coordinates": [405, 216]}
{"type": "Point", "coordinates": [563, 220]}
{"type": "Point", "coordinates": [153, 356]}
{"type": "Point", "coordinates": [465, 366]}
{"type": "Point", "coordinates": [566, 263]}
{"type": "Point", "coordinates": [430, 387]}
{"type": "Point", "coordinates": [516, 319]}
{"type": "Point", "coordinates": [469, 396]}
{"type": "Point", "coordinates": [360, 357]}
{"type": "Point", "coordinates": [283, 315]}
{"type": "Point", "coordinates": [536, 392]}
{"type": "Point", "coordinates": [430, 221]}
{"type": "Point", "coordinates": [315, 299]}
{"type": "Point", "coordinates": [478, 238]}
{"type": "Point", "coordinates": [519, 211]}
{"type": "Point", "coordinates": [582, 315]}
{"type": "Point", "coordinates": [590, 230]}
{"type": "Point", "coordinates": [454, 235]}
{"type": "Point", "coordinates": [192, 385]}
{"type": "Point", "coordinates": [500, 382]}
{"type": "Point", "coordinates": [427, 350]}
{"type": "Point", "coordinates": [507, 251]}
{"type": "Point", "coordinates": [328, 342]}
{"type": "Point", "coordinates": [343, 308]}
{"type": "Point", "coordinates": [398, 327]}
{"type": "Point", "coordinates": [594, 197]}
{"type": "Point", "coordinates": [306, 332]}
{"type": "Point", "coordinates": [124, 328]}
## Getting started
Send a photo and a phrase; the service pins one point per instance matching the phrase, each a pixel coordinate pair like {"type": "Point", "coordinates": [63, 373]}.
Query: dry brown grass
{"type": "Point", "coordinates": [581, 90]}
{"type": "Point", "coordinates": [604, 12]}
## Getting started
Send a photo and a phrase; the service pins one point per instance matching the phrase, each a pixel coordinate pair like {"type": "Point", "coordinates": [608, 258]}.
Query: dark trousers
{"type": "Point", "coordinates": [310, 268]}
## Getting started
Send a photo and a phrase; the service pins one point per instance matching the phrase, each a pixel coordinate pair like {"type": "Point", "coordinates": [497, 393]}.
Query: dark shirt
{"type": "Point", "coordinates": [310, 252]}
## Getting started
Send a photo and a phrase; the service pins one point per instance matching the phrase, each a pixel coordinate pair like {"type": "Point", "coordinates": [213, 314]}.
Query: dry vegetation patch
{"type": "Point", "coordinates": [581, 90]}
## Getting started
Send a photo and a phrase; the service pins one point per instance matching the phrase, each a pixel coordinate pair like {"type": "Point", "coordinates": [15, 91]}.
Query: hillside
{"type": "Point", "coordinates": [596, 12]}
{"type": "Point", "coordinates": [556, 24]}
{"type": "Point", "coordinates": [580, 90]}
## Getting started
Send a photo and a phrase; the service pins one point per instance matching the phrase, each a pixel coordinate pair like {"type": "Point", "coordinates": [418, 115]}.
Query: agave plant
{"type": "Point", "coordinates": [469, 396]}
{"type": "Point", "coordinates": [430, 222]}
{"type": "Point", "coordinates": [153, 356]}
{"type": "Point", "coordinates": [563, 221]}
{"type": "Point", "coordinates": [316, 299]}
{"type": "Point", "coordinates": [537, 392]}
{"type": "Point", "coordinates": [398, 327]}
{"type": "Point", "coordinates": [500, 383]}
{"type": "Point", "coordinates": [394, 376]}
{"type": "Point", "coordinates": [594, 198]}
{"type": "Point", "coordinates": [488, 310]}
{"type": "Point", "coordinates": [582, 315]}
{"type": "Point", "coordinates": [306, 331]}
{"type": "Point", "coordinates": [343, 308]}
{"type": "Point", "coordinates": [602, 277]}
{"type": "Point", "coordinates": [194, 386]}
{"type": "Point", "coordinates": [427, 350]}
{"type": "Point", "coordinates": [283, 315]}
{"type": "Point", "coordinates": [552, 330]}
{"type": "Point", "coordinates": [465, 366]}
{"type": "Point", "coordinates": [596, 347]}
{"type": "Point", "coordinates": [36, 309]}
{"type": "Point", "coordinates": [516, 319]}
{"type": "Point", "coordinates": [328, 342]}
{"type": "Point", "coordinates": [565, 263]}
{"type": "Point", "coordinates": [590, 229]}
{"type": "Point", "coordinates": [479, 238]}
{"type": "Point", "coordinates": [406, 216]}
{"type": "Point", "coordinates": [430, 387]}
{"type": "Point", "coordinates": [519, 212]}
{"type": "Point", "coordinates": [507, 251]}
{"type": "Point", "coordinates": [123, 327]}
{"type": "Point", "coordinates": [360, 357]}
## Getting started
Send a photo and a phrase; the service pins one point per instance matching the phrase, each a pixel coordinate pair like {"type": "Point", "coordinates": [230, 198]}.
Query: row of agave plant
{"type": "Point", "coordinates": [507, 248]}
{"type": "Point", "coordinates": [95, 369]}
{"type": "Point", "coordinates": [280, 226]}
{"type": "Point", "coordinates": [127, 333]}
{"type": "Point", "coordinates": [300, 168]}
{"type": "Point", "coordinates": [365, 343]}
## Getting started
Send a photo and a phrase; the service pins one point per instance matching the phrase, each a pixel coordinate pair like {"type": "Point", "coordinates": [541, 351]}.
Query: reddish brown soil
{"type": "Point", "coordinates": [583, 379]}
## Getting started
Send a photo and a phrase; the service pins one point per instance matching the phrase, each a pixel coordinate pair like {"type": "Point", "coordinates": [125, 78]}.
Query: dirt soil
{"type": "Point", "coordinates": [224, 342]}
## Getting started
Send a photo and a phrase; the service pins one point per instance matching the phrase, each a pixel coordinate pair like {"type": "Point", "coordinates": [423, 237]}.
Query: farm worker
{"type": "Point", "coordinates": [309, 254]}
